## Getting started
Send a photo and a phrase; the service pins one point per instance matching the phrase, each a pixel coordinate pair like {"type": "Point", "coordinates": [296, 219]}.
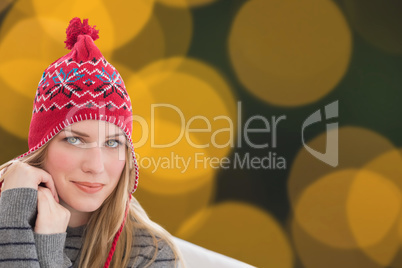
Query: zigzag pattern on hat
{"type": "Point", "coordinates": [89, 104]}
{"type": "Point", "coordinates": [43, 98]}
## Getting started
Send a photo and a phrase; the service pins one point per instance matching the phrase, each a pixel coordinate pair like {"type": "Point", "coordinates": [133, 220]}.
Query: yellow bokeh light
{"type": "Point", "coordinates": [355, 208]}
{"type": "Point", "coordinates": [27, 40]}
{"type": "Point", "coordinates": [139, 92]}
{"type": "Point", "coordinates": [199, 105]}
{"type": "Point", "coordinates": [350, 209]}
{"type": "Point", "coordinates": [195, 90]}
{"type": "Point", "coordinates": [114, 19]}
{"type": "Point", "coordinates": [321, 210]}
{"type": "Point", "coordinates": [241, 231]}
{"type": "Point", "coordinates": [357, 147]}
{"type": "Point", "coordinates": [388, 165]}
{"type": "Point", "coordinates": [400, 219]}
{"type": "Point", "coordinates": [158, 71]}
{"type": "Point", "coordinates": [314, 254]}
{"type": "Point", "coordinates": [18, 109]}
{"type": "Point", "coordinates": [163, 68]}
{"type": "Point", "coordinates": [128, 17]}
{"type": "Point", "coordinates": [186, 3]}
{"type": "Point", "coordinates": [54, 17]}
{"type": "Point", "coordinates": [368, 160]}
{"type": "Point", "coordinates": [174, 99]}
{"type": "Point", "coordinates": [27, 48]}
{"type": "Point", "coordinates": [290, 53]}
{"type": "Point", "coordinates": [172, 170]}
{"type": "Point", "coordinates": [31, 69]}
{"type": "Point", "coordinates": [373, 209]}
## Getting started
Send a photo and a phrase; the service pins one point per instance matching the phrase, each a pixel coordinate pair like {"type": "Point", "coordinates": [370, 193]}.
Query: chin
{"type": "Point", "coordinates": [88, 207]}
{"type": "Point", "coordinates": [84, 205]}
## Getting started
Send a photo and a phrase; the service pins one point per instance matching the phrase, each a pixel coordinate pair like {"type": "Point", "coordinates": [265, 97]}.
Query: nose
{"type": "Point", "coordinates": [93, 160]}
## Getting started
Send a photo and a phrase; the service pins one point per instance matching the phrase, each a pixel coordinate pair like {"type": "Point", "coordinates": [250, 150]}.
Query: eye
{"type": "Point", "coordinates": [113, 143]}
{"type": "Point", "coordinates": [73, 140]}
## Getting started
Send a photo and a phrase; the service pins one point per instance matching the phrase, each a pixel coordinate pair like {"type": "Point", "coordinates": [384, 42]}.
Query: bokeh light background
{"type": "Point", "coordinates": [236, 59]}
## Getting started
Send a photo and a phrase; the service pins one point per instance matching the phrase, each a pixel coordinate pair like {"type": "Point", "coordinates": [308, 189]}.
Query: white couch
{"type": "Point", "coordinates": [199, 257]}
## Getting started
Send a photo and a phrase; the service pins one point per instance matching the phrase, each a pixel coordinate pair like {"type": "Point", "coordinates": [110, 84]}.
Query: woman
{"type": "Point", "coordinates": [68, 202]}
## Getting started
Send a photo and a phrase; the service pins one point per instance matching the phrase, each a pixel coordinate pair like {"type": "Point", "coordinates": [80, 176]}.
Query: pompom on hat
{"type": "Point", "coordinates": [79, 86]}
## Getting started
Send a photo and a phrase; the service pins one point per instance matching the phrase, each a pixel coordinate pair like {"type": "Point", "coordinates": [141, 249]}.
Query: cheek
{"type": "Point", "coordinates": [59, 162]}
{"type": "Point", "coordinates": [115, 169]}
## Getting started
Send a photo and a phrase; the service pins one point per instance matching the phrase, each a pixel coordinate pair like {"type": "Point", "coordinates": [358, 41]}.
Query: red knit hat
{"type": "Point", "coordinates": [79, 86]}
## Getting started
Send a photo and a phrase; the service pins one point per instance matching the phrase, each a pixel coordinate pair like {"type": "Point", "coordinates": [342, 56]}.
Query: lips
{"type": "Point", "coordinates": [88, 187]}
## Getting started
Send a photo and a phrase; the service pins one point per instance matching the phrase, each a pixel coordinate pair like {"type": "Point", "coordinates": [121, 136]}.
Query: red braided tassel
{"type": "Point", "coordinates": [76, 28]}
{"type": "Point", "coordinates": [116, 237]}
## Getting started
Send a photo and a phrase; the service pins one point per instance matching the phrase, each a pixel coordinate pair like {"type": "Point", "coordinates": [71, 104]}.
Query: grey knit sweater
{"type": "Point", "coordinates": [20, 246]}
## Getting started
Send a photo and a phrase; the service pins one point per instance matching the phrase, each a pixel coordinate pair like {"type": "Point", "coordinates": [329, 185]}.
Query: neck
{"type": "Point", "coordinates": [77, 218]}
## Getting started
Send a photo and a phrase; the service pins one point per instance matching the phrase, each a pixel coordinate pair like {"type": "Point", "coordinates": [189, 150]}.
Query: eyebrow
{"type": "Point", "coordinates": [85, 135]}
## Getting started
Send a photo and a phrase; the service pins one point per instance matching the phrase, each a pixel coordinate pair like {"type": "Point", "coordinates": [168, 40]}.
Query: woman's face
{"type": "Point", "coordinates": [86, 161]}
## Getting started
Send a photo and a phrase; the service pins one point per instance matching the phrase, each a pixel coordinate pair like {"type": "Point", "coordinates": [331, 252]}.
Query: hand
{"type": "Point", "coordinates": [52, 217]}
{"type": "Point", "coordinates": [22, 175]}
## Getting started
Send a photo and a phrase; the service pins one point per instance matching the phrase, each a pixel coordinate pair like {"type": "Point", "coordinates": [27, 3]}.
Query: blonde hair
{"type": "Point", "coordinates": [106, 220]}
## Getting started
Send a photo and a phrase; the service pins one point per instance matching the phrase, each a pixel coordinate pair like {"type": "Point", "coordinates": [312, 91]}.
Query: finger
{"type": "Point", "coordinates": [43, 204]}
{"type": "Point", "coordinates": [47, 179]}
{"type": "Point", "coordinates": [9, 169]}
{"type": "Point", "coordinates": [47, 196]}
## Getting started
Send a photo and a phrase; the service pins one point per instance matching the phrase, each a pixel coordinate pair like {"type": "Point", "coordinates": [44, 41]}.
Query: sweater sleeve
{"type": "Point", "coordinates": [50, 248]}
{"type": "Point", "coordinates": [17, 243]}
